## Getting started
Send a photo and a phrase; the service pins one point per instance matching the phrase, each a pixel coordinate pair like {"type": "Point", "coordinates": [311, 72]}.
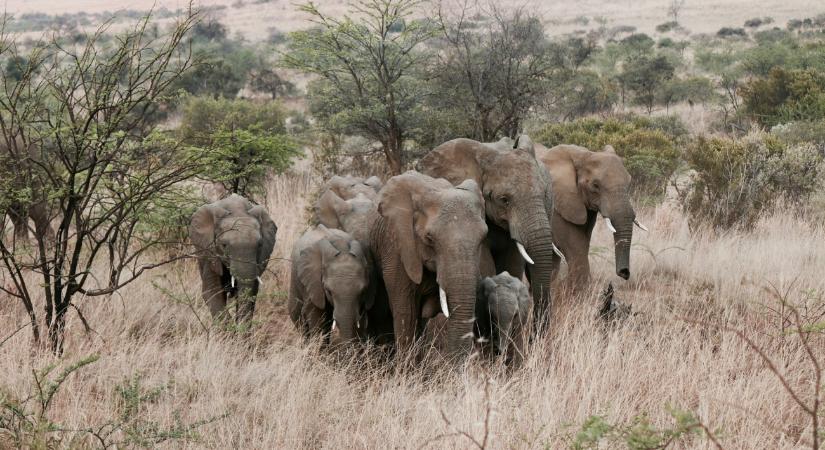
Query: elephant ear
{"type": "Point", "coordinates": [488, 287]}
{"type": "Point", "coordinates": [524, 142]}
{"type": "Point", "coordinates": [310, 273]}
{"type": "Point", "coordinates": [456, 161]}
{"type": "Point", "coordinates": [268, 232]}
{"type": "Point", "coordinates": [329, 207]}
{"type": "Point", "coordinates": [396, 206]}
{"type": "Point", "coordinates": [567, 198]}
{"type": "Point", "coordinates": [202, 233]}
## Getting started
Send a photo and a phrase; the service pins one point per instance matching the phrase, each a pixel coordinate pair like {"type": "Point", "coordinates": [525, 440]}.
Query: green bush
{"type": "Point", "coordinates": [785, 96]}
{"type": "Point", "coordinates": [735, 181]}
{"type": "Point", "coordinates": [804, 132]}
{"type": "Point", "coordinates": [647, 146]}
{"type": "Point", "coordinates": [238, 142]}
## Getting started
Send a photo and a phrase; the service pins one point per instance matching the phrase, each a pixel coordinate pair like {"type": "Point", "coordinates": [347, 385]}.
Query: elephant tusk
{"type": "Point", "coordinates": [334, 324]}
{"type": "Point", "coordinates": [639, 224]}
{"type": "Point", "coordinates": [557, 251]}
{"type": "Point", "coordinates": [358, 324]}
{"type": "Point", "coordinates": [523, 252]}
{"type": "Point", "coordinates": [442, 297]}
{"type": "Point", "coordinates": [610, 225]}
{"type": "Point", "coordinates": [232, 283]}
{"type": "Point", "coordinates": [260, 282]}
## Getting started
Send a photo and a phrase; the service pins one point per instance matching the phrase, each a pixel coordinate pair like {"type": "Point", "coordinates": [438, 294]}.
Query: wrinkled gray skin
{"type": "Point", "coordinates": [348, 187]}
{"type": "Point", "coordinates": [518, 200]}
{"type": "Point", "coordinates": [587, 184]}
{"type": "Point", "coordinates": [351, 215]}
{"type": "Point", "coordinates": [428, 234]}
{"type": "Point", "coordinates": [232, 238]}
{"type": "Point", "coordinates": [330, 282]}
{"type": "Point", "coordinates": [502, 314]}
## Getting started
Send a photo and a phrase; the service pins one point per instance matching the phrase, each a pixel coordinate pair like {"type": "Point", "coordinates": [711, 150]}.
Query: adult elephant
{"type": "Point", "coordinates": [427, 237]}
{"type": "Point", "coordinates": [518, 200]}
{"type": "Point", "coordinates": [587, 184]}
{"type": "Point", "coordinates": [233, 239]}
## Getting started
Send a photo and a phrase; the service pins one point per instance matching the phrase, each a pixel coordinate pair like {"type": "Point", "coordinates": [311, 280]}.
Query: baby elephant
{"type": "Point", "coordinates": [330, 283]}
{"type": "Point", "coordinates": [502, 313]}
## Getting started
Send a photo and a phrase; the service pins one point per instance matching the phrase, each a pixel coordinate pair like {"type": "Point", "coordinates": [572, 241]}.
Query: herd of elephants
{"type": "Point", "coordinates": [455, 243]}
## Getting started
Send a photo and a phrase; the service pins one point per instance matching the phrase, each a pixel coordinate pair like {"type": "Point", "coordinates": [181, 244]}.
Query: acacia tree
{"type": "Point", "coordinates": [368, 69]}
{"type": "Point", "coordinates": [74, 122]}
{"type": "Point", "coordinates": [496, 66]}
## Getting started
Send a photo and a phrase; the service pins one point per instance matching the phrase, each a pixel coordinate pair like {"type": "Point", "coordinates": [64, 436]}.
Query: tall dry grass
{"type": "Point", "coordinates": [278, 392]}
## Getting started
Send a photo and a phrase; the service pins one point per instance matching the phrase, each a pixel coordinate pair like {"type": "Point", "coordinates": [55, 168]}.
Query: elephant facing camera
{"type": "Point", "coordinates": [331, 290]}
{"type": "Point", "coordinates": [233, 239]}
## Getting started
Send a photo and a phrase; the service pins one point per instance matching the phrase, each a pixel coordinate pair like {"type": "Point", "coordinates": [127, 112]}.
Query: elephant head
{"type": "Point", "coordinates": [435, 229]}
{"type": "Point", "coordinates": [334, 270]}
{"type": "Point", "coordinates": [234, 240]}
{"type": "Point", "coordinates": [596, 182]}
{"type": "Point", "coordinates": [351, 215]}
{"type": "Point", "coordinates": [517, 194]}
{"type": "Point", "coordinates": [503, 308]}
{"type": "Point", "coordinates": [348, 187]}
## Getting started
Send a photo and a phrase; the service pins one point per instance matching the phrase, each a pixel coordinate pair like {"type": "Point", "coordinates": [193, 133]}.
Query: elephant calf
{"type": "Point", "coordinates": [233, 239]}
{"type": "Point", "coordinates": [330, 283]}
{"type": "Point", "coordinates": [502, 313]}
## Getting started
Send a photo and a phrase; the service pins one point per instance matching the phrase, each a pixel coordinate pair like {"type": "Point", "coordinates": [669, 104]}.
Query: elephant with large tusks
{"type": "Point", "coordinates": [330, 286]}
{"type": "Point", "coordinates": [518, 200]}
{"type": "Point", "coordinates": [427, 237]}
{"type": "Point", "coordinates": [234, 240]}
{"type": "Point", "coordinates": [588, 184]}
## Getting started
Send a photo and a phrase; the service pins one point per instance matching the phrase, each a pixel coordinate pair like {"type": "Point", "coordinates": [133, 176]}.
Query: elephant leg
{"type": "Point", "coordinates": [314, 321]}
{"type": "Point", "coordinates": [213, 293]}
{"type": "Point", "coordinates": [516, 349]}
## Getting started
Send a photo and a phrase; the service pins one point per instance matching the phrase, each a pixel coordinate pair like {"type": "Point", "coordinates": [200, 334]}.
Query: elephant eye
{"type": "Point", "coordinates": [504, 199]}
{"type": "Point", "coordinates": [429, 239]}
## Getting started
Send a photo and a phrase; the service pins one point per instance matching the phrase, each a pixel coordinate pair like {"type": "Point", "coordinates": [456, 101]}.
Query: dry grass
{"type": "Point", "coordinates": [280, 393]}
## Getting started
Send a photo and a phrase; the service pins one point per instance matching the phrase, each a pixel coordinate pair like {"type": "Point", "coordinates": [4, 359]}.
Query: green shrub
{"type": "Point", "coordinates": [794, 133]}
{"type": "Point", "coordinates": [735, 181]}
{"type": "Point", "coordinates": [785, 96]}
{"type": "Point", "coordinates": [731, 32]}
{"type": "Point", "coordinates": [238, 142]}
{"type": "Point", "coordinates": [647, 146]}
{"type": "Point", "coordinates": [667, 26]}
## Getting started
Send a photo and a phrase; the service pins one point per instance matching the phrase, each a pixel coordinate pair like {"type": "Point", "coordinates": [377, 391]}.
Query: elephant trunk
{"type": "Point", "coordinates": [621, 218]}
{"type": "Point", "coordinates": [345, 314]}
{"type": "Point", "coordinates": [459, 282]}
{"type": "Point", "coordinates": [534, 233]}
{"type": "Point", "coordinates": [622, 239]}
{"type": "Point", "coordinates": [244, 273]}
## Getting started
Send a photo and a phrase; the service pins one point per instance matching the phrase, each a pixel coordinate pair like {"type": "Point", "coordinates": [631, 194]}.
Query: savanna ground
{"type": "Point", "coordinates": [275, 392]}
